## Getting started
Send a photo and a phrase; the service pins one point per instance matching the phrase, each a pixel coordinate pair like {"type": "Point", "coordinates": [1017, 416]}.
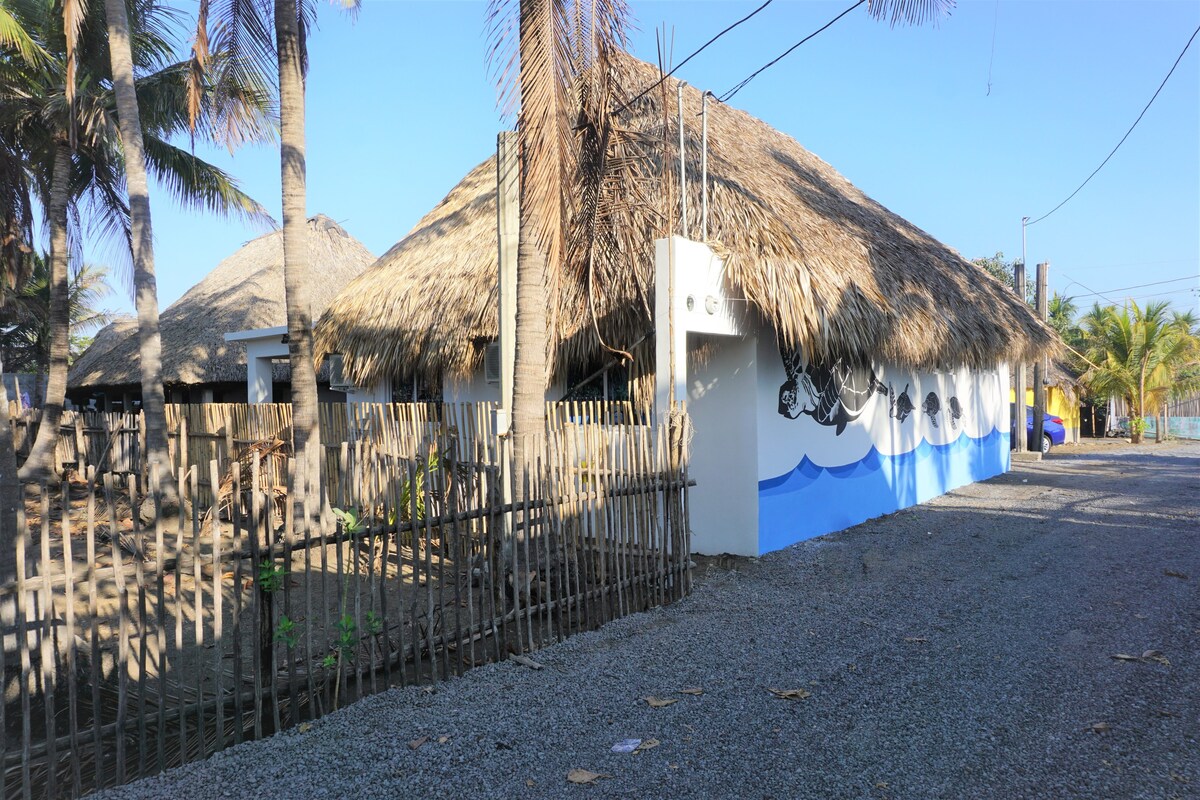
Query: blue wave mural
{"type": "Point", "coordinates": [812, 499]}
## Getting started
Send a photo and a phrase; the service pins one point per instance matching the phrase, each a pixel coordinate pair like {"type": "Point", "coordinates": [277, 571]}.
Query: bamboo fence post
{"type": "Point", "coordinates": [288, 642]}
{"type": "Point", "coordinates": [123, 642]}
{"type": "Point", "coordinates": [139, 547]}
{"type": "Point", "coordinates": [310, 680]}
{"type": "Point", "coordinates": [528, 572]}
{"type": "Point", "coordinates": [93, 615]}
{"type": "Point", "coordinates": [72, 687]}
{"type": "Point", "coordinates": [48, 656]}
{"type": "Point", "coordinates": [218, 595]}
{"type": "Point", "coordinates": [81, 452]}
{"type": "Point", "coordinates": [197, 604]}
{"type": "Point", "coordinates": [180, 533]}
{"type": "Point", "coordinates": [23, 643]}
{"type": "Point", "coordinates": [372, 615]}
{"type": "Point", "coordinates": [258, 656]}
{"type": "Point", "coordinates": [427, 546]}
{"type": "Point", "coordinates": [439, 475]}
{"type": "Point", "coordinates": [235, 518]}
{"type": "Point", "coordinates": [161, 627]}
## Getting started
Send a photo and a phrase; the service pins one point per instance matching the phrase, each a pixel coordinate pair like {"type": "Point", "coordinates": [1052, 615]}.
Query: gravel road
{"type": "Point", "coordinates": [960, 649]}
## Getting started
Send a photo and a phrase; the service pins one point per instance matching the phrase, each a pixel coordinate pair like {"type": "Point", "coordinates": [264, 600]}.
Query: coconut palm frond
{"type": "Point", "coordinates": [14, 37]}
{"type": "Point", "coordinates": [910, 12]}
{"type": "Point", "coordinates": [198, 184]}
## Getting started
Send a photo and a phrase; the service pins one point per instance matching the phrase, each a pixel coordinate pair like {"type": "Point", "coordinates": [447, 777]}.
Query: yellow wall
{"type": "Point", "coordinates": [1058, 405]}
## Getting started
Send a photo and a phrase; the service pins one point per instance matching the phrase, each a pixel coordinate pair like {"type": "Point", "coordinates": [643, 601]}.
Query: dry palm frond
{"type": "Point", "coordinates": [272, 454]}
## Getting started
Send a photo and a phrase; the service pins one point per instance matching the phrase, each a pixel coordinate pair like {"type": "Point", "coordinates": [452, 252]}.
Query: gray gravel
{"type": "Point", "coordinates": [960, 649]}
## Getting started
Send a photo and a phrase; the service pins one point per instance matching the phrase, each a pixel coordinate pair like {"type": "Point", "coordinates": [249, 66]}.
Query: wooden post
{"type": "Point", "coordinates": [1039, 367]}
{"type": "Point", "coordinates": [1018, 432]}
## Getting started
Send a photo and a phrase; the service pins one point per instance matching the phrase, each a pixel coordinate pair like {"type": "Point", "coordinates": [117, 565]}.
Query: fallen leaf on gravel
{"type": "Point", "coordinates": [443, 739]}
{"type": "Point", "coordinates": [649, 744]}
{"type": "Point", "coordinates": [696, 691]}
{"type": "Point", "coordinates": [415, 744]}
{"type": "Point", "coordinates": [1175, 776]}
{"type": "Point", "coordinates": [1162, 712]}
{"type": "Point", "coordinates": [525, 661]}
{"type": "Point", "coordinates": [585, 776]}
{"type": "Point", "coordinates": [1125, 657]}
{"type": "Point", "coordinates": [916, 639]}
{"type": "Point", "coordinates": [1099, 727]}
{"type": "Point", "coordinates": [1156, 655]}
{"type": "Point", "coordinates": [791, 694]}
{"type": "Point", "coordinates": [881, 784]}
{"type": "Point", "coordinates": [530, 783]}
{"type": "Point", "coordinates": [1170, 573]}
{"type": "Point", "coordinates": [661, 702]}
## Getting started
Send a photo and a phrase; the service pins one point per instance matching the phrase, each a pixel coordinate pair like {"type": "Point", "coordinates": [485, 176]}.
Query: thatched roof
{"type": "Point", "coordinates": [834, 271]}
{"type": "Point", "coordinates": [245, 291]}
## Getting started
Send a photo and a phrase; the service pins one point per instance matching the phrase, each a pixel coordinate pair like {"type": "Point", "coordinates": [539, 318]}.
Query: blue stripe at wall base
{"type": "Point", "coordinates": [812, 500]}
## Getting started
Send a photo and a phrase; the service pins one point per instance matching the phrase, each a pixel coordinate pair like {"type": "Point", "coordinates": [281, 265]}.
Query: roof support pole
{"type": "Point", "coordinates": [704, 166]}
{"type": "Point", "coordinates": [508, 223]}
{"type": "Point", "coordinates": [1039, 366]}
{"type": "Point", "coordinates": [1018, 435]}
{"type": "Point", "coordinates": [683, 215]}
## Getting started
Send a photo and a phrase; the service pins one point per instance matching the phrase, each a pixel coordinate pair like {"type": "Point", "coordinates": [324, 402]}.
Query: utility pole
{"type": "Point", "coordinates": [1039, 366]}
{"type": "Point", "coordinates": [1018, 434]}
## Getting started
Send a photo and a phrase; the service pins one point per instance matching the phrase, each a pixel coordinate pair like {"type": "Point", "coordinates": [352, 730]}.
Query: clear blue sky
{"type": "Point", "coordinates": [401, 105]}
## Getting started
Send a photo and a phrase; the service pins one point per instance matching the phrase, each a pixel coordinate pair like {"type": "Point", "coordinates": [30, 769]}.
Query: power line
{"type": "Point", "coordinates": [677, 67]}
{"type": "Point", "coordinates": [1093, 291]}
{"type": "Point", "coordinates": [729, 94]}
{"type": "Point", "coordinates": [1140, 285]}
{"type": "Point", "coordinates": [1126, 136]}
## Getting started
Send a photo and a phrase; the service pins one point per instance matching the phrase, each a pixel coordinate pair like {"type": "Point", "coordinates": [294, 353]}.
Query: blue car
{"type": "Point", "coordinates": [1053, 431]}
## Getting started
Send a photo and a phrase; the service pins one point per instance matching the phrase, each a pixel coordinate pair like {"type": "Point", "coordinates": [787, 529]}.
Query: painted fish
{"type": "Point", "coordinates": [931, 407]}
{"type": "Point", "coordinates": [832, 395]}
{"type": "Point", "coordinates": [956, 412]}
{"type": "Point", "coordinates": [902, 404]}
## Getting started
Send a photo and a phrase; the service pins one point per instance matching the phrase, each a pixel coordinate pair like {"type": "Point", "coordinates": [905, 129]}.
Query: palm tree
{"type": "Point", "coordinates": [25, 343]}
{"type": "Point", "coordinates": [1140, 354]}
{"type": "Point", "coordinates": [244, 48]}
{"type": "Point", "coordinates": [553, 55]}
{"type": "Point", "coordinates": [73, 162]}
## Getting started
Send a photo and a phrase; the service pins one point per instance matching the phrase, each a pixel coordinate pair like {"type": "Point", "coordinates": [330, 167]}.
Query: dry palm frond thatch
{"type": "Point", "coordinates": [244, 292]}
{"type": "Point", "coordinates": [833, 271]}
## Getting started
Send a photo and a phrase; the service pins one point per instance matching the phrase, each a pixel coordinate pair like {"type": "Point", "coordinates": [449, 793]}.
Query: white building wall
{"type": "Point", "coordinates": [721, 391]}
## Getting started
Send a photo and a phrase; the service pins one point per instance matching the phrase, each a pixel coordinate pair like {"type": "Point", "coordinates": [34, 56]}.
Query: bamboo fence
{"type": "Point", "coordinates": [130, 648]}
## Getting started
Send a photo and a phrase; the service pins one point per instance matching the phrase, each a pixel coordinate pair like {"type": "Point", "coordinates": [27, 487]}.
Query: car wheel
{"type": "Point", "coordinates": [1046, 444]}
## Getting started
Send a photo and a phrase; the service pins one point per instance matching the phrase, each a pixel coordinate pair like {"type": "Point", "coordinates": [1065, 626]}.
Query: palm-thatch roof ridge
{"type": "Point", "coordinates": [244, 292]}
{"type": "Point", "coordinates": [833, 271]}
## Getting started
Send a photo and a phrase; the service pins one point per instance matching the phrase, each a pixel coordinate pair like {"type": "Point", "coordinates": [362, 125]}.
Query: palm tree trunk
{"type": "Point", "coordinates": [539, 111]}
{"type": "Point", "coordinates": [306, 437]}
{"type": "Point", "coordinates": [10, 489]}
{"type": "Point", "coordinates": [40, 465]}
{"type": "Point", "coordinates": [142, 242]}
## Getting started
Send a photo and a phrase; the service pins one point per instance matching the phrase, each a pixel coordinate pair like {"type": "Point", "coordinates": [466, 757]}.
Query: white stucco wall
{"type": "Point", "coordinates": [721, 397]}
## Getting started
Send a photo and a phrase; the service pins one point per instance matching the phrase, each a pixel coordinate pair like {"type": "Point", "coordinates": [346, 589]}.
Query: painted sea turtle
{"type": "Point", "coordinates": [931, 407]}
{"type": "Point", "coordinates": [832, 395]}
{"type": "Point", "coordinates": [901, 405]}
{"type": "Point", "coordinates": [955, 411]}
